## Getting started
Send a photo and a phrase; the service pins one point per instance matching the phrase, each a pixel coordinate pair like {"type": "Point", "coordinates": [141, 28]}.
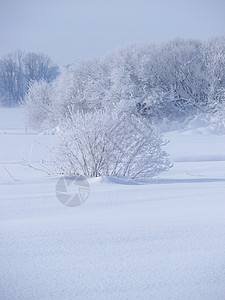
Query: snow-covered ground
{"type": "Point", "coordinates": [162, 240]}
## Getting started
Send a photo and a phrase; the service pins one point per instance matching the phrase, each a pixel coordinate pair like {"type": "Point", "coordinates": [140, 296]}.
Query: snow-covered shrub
{"type": "Point", "coordinates": [38, 104]}
{"type": "Point", "coordinates": [105, 142]}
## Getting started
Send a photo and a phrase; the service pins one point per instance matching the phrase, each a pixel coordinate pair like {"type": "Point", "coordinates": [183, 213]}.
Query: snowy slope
{"type": "Point", "coordinates": [162, 240]}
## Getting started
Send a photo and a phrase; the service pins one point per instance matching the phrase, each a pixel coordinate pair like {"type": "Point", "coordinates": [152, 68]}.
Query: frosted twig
{"type": "Point", "coordinates": [14, 179]}
{"type": "Point", "coordinates": [28, 164]}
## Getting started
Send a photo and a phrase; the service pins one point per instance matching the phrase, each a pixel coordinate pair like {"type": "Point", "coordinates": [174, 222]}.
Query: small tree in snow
{"type": "Point", "coordinates": [108, 143]}
{"type": "Point", "coordinates": [38, 104]}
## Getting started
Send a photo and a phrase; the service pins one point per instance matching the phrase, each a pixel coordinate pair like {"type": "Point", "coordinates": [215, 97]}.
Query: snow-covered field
{"type": "Point", "coordinates": [161, 240]}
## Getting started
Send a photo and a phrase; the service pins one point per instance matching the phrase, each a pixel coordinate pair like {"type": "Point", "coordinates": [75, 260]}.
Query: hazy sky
{"type": "Point", "coordinates": [68, 30]}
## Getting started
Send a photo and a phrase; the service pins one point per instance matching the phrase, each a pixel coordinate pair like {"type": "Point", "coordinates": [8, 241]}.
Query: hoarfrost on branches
{"type": "Point", "coordinates": [106, 142]}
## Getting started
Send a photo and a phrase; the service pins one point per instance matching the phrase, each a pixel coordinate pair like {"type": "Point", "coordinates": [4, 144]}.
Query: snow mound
{"type": "Point", "coordinates": [51, 131]}
{"type": "Point", "coordinates": [202, 124]}
{"type": "Point", "coordinates": [113, 179]}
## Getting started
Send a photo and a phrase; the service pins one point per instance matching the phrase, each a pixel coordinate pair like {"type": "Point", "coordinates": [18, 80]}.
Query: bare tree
{"type": "Point", "coordinates": [12, 81]}
{"type": "Point", "coordinates": [39, 66]}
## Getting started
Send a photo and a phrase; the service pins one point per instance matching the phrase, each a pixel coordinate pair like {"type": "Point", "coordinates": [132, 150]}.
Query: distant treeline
{"type": "Point", "coordinates": [18, 70]}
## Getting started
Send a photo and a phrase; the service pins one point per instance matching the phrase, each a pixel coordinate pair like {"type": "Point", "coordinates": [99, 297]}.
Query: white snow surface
{"type": "Point", "coordinates": [164, 239]}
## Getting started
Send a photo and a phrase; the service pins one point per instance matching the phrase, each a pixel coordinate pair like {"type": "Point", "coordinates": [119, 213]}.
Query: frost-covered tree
{"type": "Point", "coordinates": [108, 142]}
{"type": "Point", "coordinates": [80, 87]}
{"type": "Point", "coordinates": [138, 76]}
{"type": "Point", "coordinates": [38, 104]}
{"type": "Point", "coordinates": [176, 69]}
{"type": "Point", "coordinates": [214, 61]}
{"type": "Point", "coordinates": [217, 118]}
{"type": "Point", "coordinates": [124, 66]}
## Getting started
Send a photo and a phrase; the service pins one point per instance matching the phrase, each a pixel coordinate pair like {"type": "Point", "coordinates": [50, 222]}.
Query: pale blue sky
{"type": "Point", "coordinates": [68, 30]}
